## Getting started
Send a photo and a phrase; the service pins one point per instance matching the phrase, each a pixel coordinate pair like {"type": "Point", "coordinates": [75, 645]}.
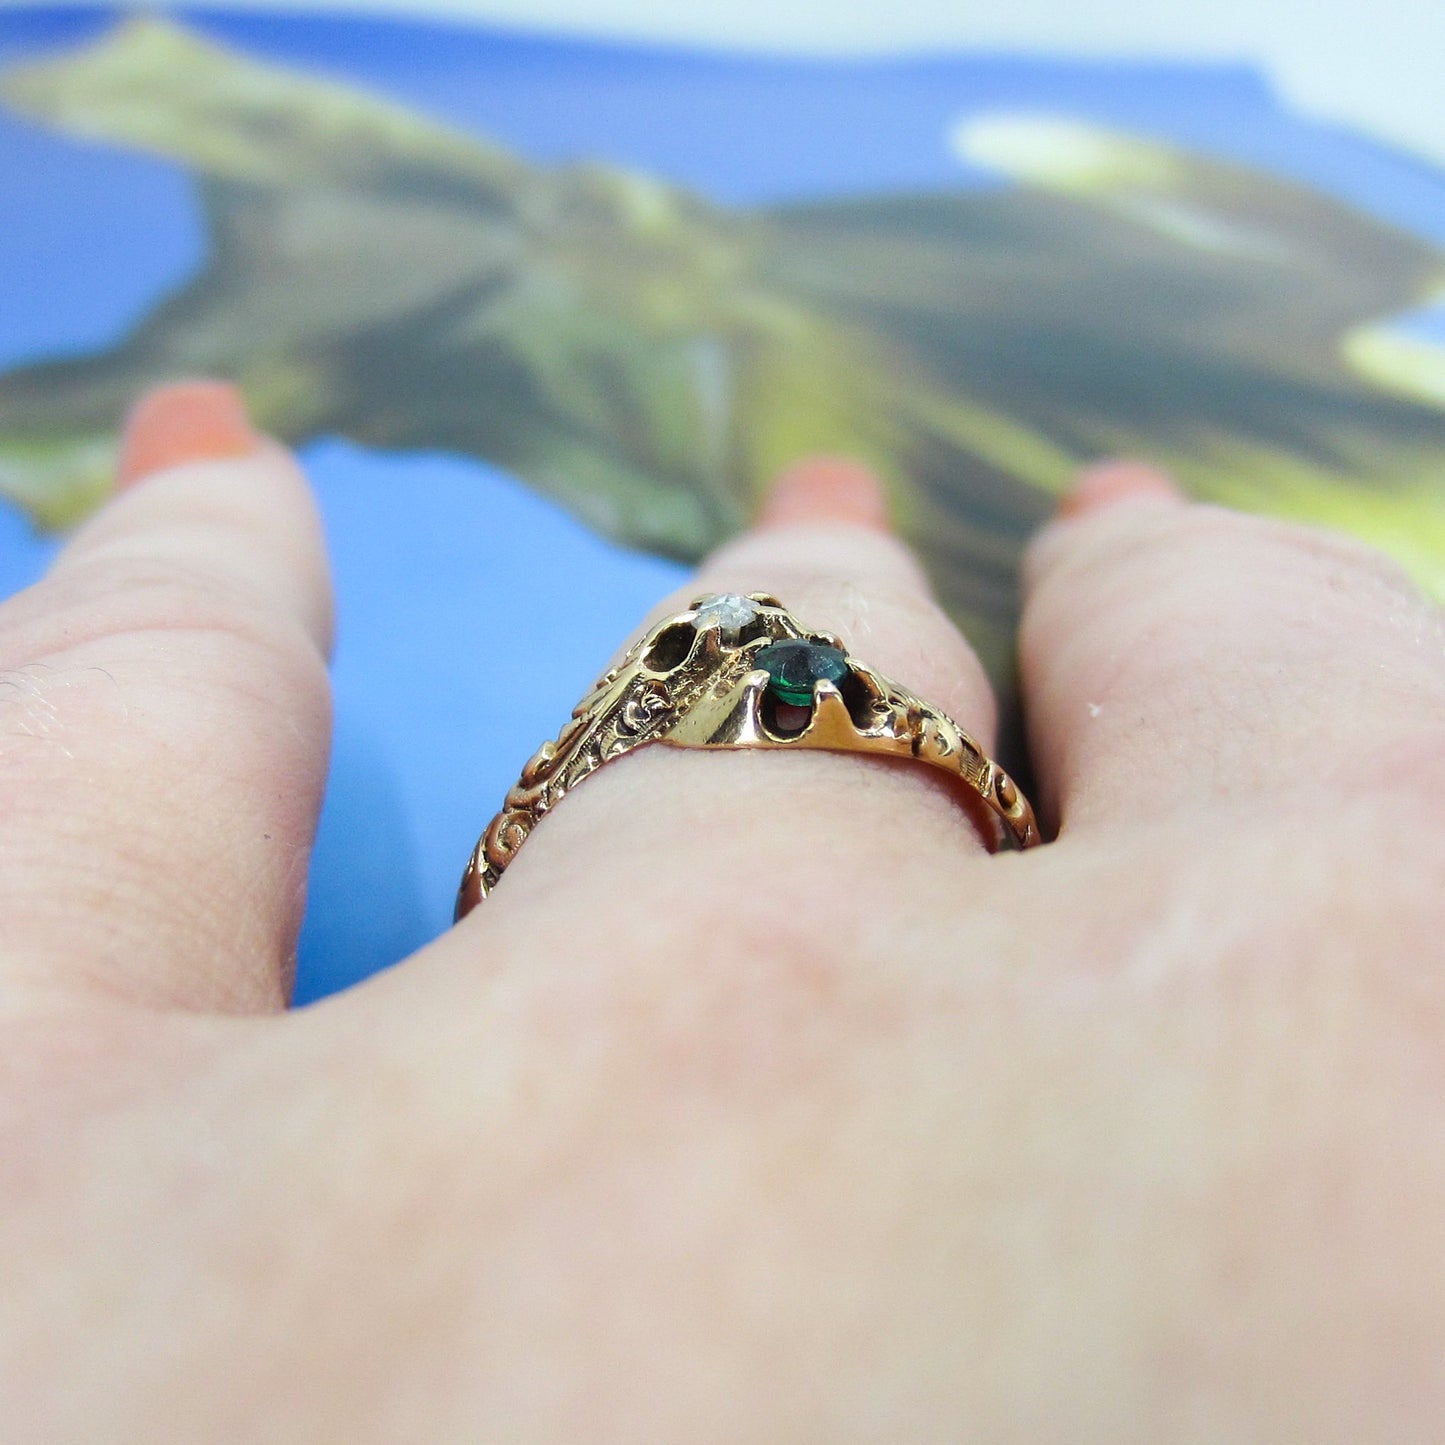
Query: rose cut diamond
{"type": "Point", "coordinates": [728, 612]}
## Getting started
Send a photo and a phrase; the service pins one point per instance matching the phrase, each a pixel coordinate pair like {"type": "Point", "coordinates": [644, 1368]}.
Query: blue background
{"type": "Point", "coordinates": [451, 578]}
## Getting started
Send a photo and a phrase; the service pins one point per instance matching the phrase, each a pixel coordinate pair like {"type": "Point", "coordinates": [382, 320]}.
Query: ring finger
{"type": "Point", "coordinates": [812, 839]}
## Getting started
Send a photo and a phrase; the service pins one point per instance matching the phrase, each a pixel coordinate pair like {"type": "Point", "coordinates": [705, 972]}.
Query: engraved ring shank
{"type": "Point", "coordinates": [733, 672]}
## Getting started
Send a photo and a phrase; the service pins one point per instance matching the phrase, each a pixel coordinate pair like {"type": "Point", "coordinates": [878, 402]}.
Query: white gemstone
{"type": "Point", "coordinates": [728, 612]}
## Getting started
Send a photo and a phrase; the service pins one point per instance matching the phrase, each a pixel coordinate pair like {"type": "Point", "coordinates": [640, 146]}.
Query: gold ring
{"type": "Point", "coordinates": [742, 672]}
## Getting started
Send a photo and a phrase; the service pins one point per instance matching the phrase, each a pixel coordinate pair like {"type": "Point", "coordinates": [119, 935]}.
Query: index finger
{"type": "Point", "coordinates": [163, 734]}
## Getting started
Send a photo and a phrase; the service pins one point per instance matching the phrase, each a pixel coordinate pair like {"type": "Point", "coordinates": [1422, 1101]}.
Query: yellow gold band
{"type": "Point", "coordinates": [741, 672]}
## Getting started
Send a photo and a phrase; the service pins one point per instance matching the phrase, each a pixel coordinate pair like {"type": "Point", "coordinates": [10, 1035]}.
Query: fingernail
{"type": "Point", "coordinates": [189, 421]}
{"type": "Point", "coordinates": [826, 489]}
{"type": "Point", "coordinates": [1105, 483]}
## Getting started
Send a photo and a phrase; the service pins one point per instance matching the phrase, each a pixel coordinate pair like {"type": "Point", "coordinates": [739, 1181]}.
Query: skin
{"type": "Point", "coordinates": [1136, 1137]}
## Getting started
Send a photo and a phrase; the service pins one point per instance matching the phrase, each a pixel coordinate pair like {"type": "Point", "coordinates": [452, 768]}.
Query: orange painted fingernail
{"type": "Point", "coordinates": [1105, 483]}
{"type": "Point", "coordinates": [826, 489]}
{"type": "Point", "coordinates": [189, 421]}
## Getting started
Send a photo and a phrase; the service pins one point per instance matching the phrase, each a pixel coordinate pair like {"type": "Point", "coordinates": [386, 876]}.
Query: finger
{"type": "Point", "coordinates": [824, 546]}
{"type": "Point", "coordinates": [795, 845]}
{"type": "Point", "coordinates": [1175, 655]}
{"type": "Point", "coordinates": [163, 725]}
{"type": "Point", "coordinates": [824, 539]}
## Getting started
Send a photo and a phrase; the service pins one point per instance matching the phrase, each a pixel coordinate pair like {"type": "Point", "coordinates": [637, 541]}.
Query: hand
{"type": "Point", "coordinates": [759, 1103]}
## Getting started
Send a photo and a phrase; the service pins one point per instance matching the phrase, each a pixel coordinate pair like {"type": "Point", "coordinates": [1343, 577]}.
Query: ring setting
{"type": "Point", "coordinates": [734, 672]}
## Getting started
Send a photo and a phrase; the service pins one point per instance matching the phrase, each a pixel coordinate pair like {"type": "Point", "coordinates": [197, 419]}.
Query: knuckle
{"type": "Point", "coordinates": [1178, 567]}
{"type": "Point", "coordinates": [82, 654]}
{"type": "Point", "coordinates": [723, 1004]}
{"type": "Point", "coordinates": [103, 598]}
{"type": "Point", "coordinates": [40, 703]}
{"type": "Point", "coordinates": [1339, 559]}
{"type": "Point", "coordinates": [1322, 559]}
{"type": "Point", "coordinates": [1203, 542]}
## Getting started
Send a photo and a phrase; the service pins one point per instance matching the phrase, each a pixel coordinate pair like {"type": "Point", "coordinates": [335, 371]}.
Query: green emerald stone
{"type": "Point", "coordinates": [795, 664]}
